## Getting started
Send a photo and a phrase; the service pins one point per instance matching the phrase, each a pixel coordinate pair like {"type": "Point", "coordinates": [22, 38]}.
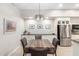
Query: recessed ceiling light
{"type": "Point", "coordinates": [30, 17]}
{"type": "Point", "coordinates": [60, 5]}
{"type": "Point", "coordinates": [77, 5]}
{"type": "Point", "coordinates": [46, 17]}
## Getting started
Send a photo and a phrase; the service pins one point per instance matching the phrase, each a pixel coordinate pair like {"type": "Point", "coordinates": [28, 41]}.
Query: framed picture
{"type": "Point", "coordinates": [39, 26]}
{"type": "Point", "coordinates": [9, 25]}
{"type": "Point", "coordinates": [31, 26]}
{"type": "Point", "coordinates": [48, 26]}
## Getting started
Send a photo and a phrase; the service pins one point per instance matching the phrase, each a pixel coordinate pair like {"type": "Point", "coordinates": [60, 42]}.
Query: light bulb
{"type": "Point", "coordinates": [60, 5]}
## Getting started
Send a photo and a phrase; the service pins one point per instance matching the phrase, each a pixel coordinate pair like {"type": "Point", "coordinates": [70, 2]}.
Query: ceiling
{"type": "Point", "coordinates": [31, 9]}
{"type": "Point", "coordinates": [45, 6]}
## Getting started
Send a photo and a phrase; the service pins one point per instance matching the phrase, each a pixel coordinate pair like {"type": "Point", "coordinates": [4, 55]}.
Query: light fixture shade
{"type": "Point", "coordinates": [39, 17]}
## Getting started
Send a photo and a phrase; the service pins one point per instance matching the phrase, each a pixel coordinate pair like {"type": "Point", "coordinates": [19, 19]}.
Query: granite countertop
{"type": "Point", "coordinates": [38, 34]}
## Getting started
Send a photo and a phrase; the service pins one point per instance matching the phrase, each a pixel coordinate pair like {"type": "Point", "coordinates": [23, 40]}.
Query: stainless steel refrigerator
{"type": "Point", "coordinates": [64, 33]}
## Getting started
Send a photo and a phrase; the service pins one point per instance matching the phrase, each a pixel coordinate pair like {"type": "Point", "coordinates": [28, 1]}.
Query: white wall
{"type": "Point", "coordinates": [10, 41]}
{"type": "Point", "coordinates": [75, 20]}
{"type": "Point", "coordinates": [43, 23]}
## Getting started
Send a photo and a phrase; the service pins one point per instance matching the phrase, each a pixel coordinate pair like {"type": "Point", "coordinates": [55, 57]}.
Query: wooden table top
{"type": "Point", "coordinates": [43, 43]}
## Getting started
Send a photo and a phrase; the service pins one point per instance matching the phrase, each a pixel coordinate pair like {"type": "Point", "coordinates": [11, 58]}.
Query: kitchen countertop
{"type": "Point", "coordinates": [38, 34]}
{"type": "Point", "coordinates": [76, 40]}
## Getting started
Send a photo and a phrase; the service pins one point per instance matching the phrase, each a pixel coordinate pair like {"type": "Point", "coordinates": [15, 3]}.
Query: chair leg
{"type": "Point", "coordinates": [23, 54]}
{"type": "Point", "coordinates": [55, 54]}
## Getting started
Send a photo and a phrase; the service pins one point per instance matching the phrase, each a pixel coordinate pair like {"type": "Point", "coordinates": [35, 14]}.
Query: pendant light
{"type": "Point", "coordinates": [39, 16]}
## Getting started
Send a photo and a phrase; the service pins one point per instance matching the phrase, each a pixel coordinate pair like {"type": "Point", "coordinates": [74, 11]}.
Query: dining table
{"type": "Point", "coordinates": [40, 43]}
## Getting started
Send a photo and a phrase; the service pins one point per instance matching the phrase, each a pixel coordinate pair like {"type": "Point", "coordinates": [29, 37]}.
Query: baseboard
{"type": "Point", "coordinates": [16, 52]}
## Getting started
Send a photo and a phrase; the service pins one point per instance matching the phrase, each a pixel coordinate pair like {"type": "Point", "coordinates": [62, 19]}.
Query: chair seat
{"type": "Point", "coordinates": [26, 50]}
{"type": "Point", "coordinates": [52, 51]}
{"type": "Point", "coordinates": [38, 51]}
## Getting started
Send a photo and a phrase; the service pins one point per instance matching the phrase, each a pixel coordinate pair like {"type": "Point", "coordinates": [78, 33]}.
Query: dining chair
{"type": "Point", "coordinates": [53, 50]}
{"type": "Point", "coordinates": [24, 43]}
{"type": "Point", "coordinates": [38, 51]}
{"type": "Point", "coordinates": [38, 36]}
